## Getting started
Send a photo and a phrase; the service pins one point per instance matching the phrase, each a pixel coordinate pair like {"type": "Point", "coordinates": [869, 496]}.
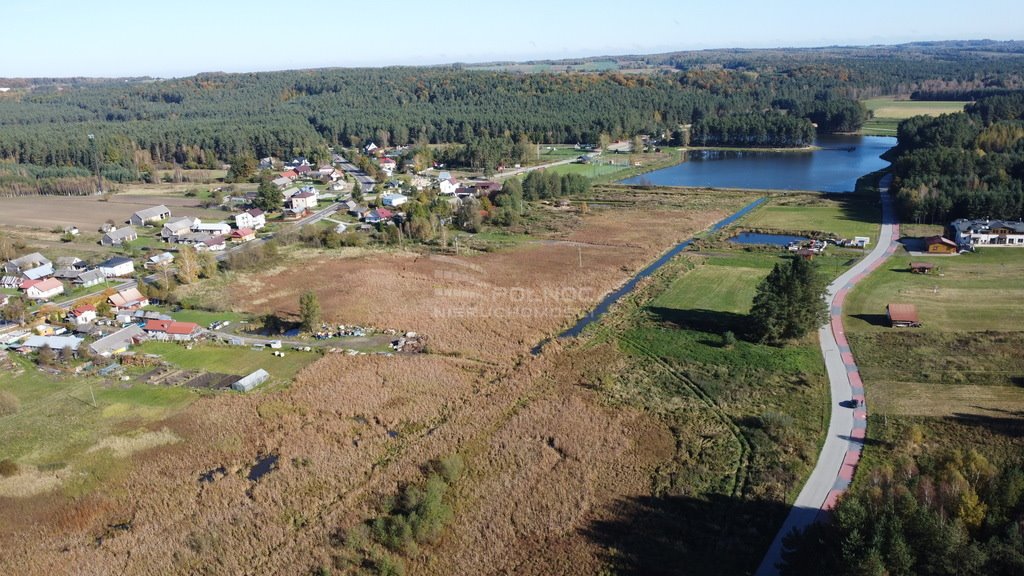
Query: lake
{"type": "Point", "coordinates": [834, 168]}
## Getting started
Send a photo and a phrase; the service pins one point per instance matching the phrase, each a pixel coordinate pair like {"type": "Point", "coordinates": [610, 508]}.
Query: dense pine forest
{"type": "Point", "coordinates": [965, 165]}
{"type": "Point", "coordinates": [729, 98]}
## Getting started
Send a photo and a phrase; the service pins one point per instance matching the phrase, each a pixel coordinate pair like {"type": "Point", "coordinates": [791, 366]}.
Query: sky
{"type": "Point", "coordinates": [45, 38]}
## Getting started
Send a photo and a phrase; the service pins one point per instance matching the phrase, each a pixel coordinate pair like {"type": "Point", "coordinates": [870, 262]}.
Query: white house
{"type": "Point", "coordinates": [388, 165]}
{"type": "Point", "coordinates": [254, 219]}
{"type": "Point", "coordinates": [448, 186]}
{"type": "Point", "coordinates": [154, 214]}
{"type": "Point", "coordinates": [303, 201]}
{"type": "Point", "coordinates": [84, 314]}
{"type": "Point", "coordinates": [42, 289]}
{"type": "Point", "coordinates": [988, 232]}
{"type": "Point", "coordinates": [394, 200]}
{"type": "Point", "coordinates": [162, 259]}
{"type": "Point", "coordinates": [89, 278]}
{"type": "Point", "coordinates": [117, 267]}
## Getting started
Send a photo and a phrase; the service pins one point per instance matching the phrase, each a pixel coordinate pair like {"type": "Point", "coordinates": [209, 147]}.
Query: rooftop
{"type": "Point", "coordinates": [903, 313]}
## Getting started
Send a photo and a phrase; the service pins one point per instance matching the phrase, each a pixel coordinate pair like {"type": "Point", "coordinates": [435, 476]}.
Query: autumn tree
{"type": "Point", "coordinates": [187, 264]}
{"type": "Point", "coordinates": [309, 311]}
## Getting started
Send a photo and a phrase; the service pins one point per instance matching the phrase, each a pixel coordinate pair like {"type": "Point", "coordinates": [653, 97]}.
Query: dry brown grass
{"type": "Point", "coordinates": [90, 212]}
{"type": "Point", "coordinates": [545, 456]}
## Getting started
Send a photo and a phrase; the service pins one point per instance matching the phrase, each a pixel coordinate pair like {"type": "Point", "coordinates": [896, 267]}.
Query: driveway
{"type": "Point", "coordinates": [841, 453]}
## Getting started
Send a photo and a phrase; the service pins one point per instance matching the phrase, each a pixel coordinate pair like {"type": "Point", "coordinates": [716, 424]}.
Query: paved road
{"type": "Point", "coordinates": [365, 182]}
{"type": "Point", "coordinates": [841, 453]}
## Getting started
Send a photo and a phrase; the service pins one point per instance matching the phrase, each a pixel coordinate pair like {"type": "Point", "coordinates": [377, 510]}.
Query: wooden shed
{"type": "Point", "coordinates": [940, 245]}
{"type": "Point", "coordinates": [902, 315]}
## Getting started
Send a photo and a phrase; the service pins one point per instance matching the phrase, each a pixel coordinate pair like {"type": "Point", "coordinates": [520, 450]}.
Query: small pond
{"type": "Point", "coordinates": [770, 239]}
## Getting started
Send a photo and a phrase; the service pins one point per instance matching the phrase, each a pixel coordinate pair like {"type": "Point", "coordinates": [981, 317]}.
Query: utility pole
{"type": "Point", "coordinates": [580, 251]}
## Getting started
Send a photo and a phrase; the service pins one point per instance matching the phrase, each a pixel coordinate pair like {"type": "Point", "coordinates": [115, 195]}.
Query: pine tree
{"type": "Point", "coordinates": [309, 311]}
{"type": "Point", "coordinates": [789, 303]}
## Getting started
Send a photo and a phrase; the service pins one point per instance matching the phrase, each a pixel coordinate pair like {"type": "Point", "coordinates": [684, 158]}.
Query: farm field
{"type": "Point", "coordinates": [714, 288]}
{"type": "Point", "coordinates": [90, 212]}
{"type": "Point", "coordinates": [888, 112]}
{"type": "Point", "coordinates": [589, 170]}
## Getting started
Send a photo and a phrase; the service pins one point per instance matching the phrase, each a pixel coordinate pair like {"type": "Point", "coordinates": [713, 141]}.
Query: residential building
{"type": "Point", "coordinates": [57, 343]}
{"type": "Point", "coordinates": [128, 299]}
{"type": "Point", "coordinates": [89, 278]}
{"type": "Point", "coordinates": [254, 219]}
{"type": "Point", "coordinates": [118, 342]}
{"type": "Point", "coordinates": [378, 215]}
{"type": "Point", "coordinates": [171, 330]}
{"type": "Point", "coordinates": [173, 229]}
{"type": "Point", "coordinates": [243, 235]}
{"type": "Point", "coordinates": [302, 201]}
{"type": "Point", "coordinates": [26, 262]}
{"type": "Point", "coordinates": [117, 267]}
{"type": "Point", "coordinates": [119, 236]}
{"type": "Point", "coordinates": [940, 245]}
{"type": "Point", "coordinates": [388, 165]}
{"type": "Point", "coordinates": [69, 263]}
{"type": "Point", "coordinates": [281, 182]}
{"type": "Point", "coordinates": [448, 186]}
{"type": "Point", "coordinates": [42, 289]}
{"type": "Point", "coordinates": [988, 232]}
{"type": "Point", "coordinates": [393, 200]}
{"type": "Point", "coordinates": [150, 215]}
{"type": "Point", "coordinates": [214, 243]}
{"type": "Point", "coordinates": [84, 314]}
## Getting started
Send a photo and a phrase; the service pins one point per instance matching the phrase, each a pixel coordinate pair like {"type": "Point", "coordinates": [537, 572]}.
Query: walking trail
{"type": "Point", "coordinates": [841, 452]}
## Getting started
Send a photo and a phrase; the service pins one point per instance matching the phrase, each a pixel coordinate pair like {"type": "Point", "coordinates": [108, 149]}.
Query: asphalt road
{"type": "Point", "coordinates": [841, 452]}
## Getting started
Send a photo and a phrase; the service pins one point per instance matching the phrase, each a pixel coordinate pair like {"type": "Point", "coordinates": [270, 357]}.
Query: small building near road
{"type": "Point", "coordinates": [150, 215]}
{"type": "Point", "coordinates": [302, 201]}
{"type": "Point", "coordinates": [902, 315]}
{"type": "Point", "coordinates": [128, 299]}
{"type": "Point", "coordinates": [940, 245]}
{"type": "Point", "coordinates": [922, 267]}
{"type": "Point", "coordinates": [38, 273]}
{"type": "Point", "coordinates": [119, 236]}
{"type": "Point", "coordinates": [393, 200]}
{"type": "Point", "coordinates": [117, 267]}
{"type": "Point", "coordinates": [213, 243]}
{"type": "Point", "coordinates": [251, 381]}
{"type": "Point", "coordinates": [42, 289]}
{"type": "Point", "coordinates": [212, 227]}
{"type": "Point", "coordinates": [173, 229]}
{"type": "Point", "coordinates": [159, 260]}
{"type": "Point", "coordinates": [89, 278]}
{"type": "Point", "coordinates": [243, 235]}
{"type": "Point", "coordinates": [171, 330]}
{"type": "Point", "coordinates": [254, 219]}
{"type": "Point", "coordinates": [84, 314]}
{"type": "Point", "coordinates": [118, 342]}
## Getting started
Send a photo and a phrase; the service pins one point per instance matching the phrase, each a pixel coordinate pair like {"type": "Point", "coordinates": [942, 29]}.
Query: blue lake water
{"type": "Point", "coordinates": [772, 239]}
{"type": "Point", "coordinates": [834, 168]}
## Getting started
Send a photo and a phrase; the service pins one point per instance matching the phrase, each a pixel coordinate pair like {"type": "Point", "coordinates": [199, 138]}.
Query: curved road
{"type": "Point", "coordinates": [841, 453]}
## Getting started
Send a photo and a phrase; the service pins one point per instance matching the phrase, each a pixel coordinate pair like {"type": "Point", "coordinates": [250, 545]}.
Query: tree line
{"type": "Point", "coordinates": [963, 165]}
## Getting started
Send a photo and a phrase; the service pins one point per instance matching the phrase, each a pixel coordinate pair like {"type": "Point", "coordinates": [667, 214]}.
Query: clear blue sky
{"type": "Point", "coordinates": [183, 37]}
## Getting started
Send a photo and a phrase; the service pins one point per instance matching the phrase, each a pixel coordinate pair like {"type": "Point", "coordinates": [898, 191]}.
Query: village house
{"type": "Point", "coordinates": [378, 215]}
{"type": "Point", "coordinates": [119, 236]}
{"type": "Point", "coordinates": [254, 219]}
{"type": "Point", "coordinates": [69, 263]}
{"type": "Point", "coordinates": [289, 175]}
{"type": "Point", "coordinates": [902, 315]}
{"type": "Point", "coordinates": [303, 170]}
{"type": "Point", "coordinates": [89, 278]}
{"type": "Point", "coordinates": [42, 289]}
{"type": "Point", "coordinates": [140, 316]}
{"type": "Point", "coordinates": [281, 181]}
{"type": "Point", "coordinates": [243, 235]}
{"type": "Point", "coordinates": [448, 186]}
{"type": "Point", "coordinates": [150, 215]}
{"type": "Point", "coordinates": [302, 201]}
{"type": "Point", "coordinates": [393, 200]}
{"type": "Point", "coordinates": [55, 343]}
{"type": "Point", "coordinates": [171, 330]}
{"type": "Point", "coordinates": [84, 314]}
{"type": "Point", "coordinates": [117, 267]}
{"type": "Point", "coordinates": [119, 342]}
{"type": "Point", "coordinates": [128, 299]}
{"type": "Point", "coordinates": [213, 243]}
{"type": "Point", "coordinates": [940, 245]}
{"type": "Point", "coordinates": [267, 163]}
{"type": "Point", "coordinates": [988, 232]}
{"type": "Point", "coordinates": [388, 165]}
{"type": "Point", "coordinates": [173, 229]}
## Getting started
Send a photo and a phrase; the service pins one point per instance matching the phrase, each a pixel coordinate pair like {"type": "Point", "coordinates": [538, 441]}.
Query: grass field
{"type": "Point", "coordinates": [965, 358]}
{"type": "Point", "coordinates": [715, 288]}
{"type": "Point", "coordinates": [57, 427]}
{"type": "Point", "coordinates": [589, 170]}
{"type": "Point", "coordinates": [846, 216]}
{"type": "Point", "coordinates": [888, 112]}
{"type": "Point", "coordinates": [201, 317]}
{"type": "Point", "coordinates": [231, 359]}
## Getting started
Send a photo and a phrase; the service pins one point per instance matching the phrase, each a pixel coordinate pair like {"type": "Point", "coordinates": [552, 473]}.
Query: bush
{"type": "Point", "coordinates": [728, 339]}
{"type": "Point", "coordinates": [9, 404]}
{"type": "Point", "coordinates": [450, 467]}
{"type": "Point", "coordinates": [8, 467]}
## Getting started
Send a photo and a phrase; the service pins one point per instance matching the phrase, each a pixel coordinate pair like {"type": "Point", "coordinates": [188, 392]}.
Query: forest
{"type": "Point", "coordinates": [755, 98]}
{"type": "Point", "coordinates": [964, 165]}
